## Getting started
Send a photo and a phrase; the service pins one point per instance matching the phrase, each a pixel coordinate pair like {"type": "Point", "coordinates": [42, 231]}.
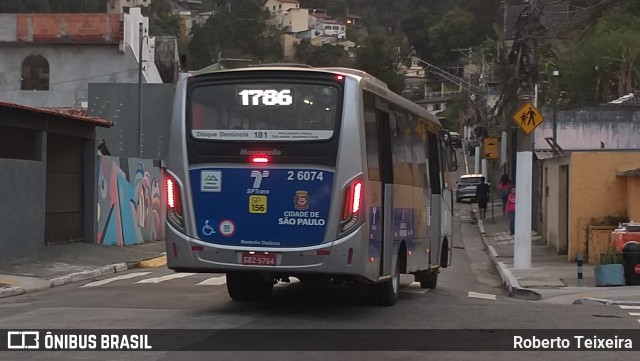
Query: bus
{"type": "Point", "coordinates": [321, 174]}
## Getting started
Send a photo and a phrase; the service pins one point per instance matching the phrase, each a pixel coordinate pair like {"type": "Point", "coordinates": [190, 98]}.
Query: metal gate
{"type": "Point", "coordinates": [64, 214]}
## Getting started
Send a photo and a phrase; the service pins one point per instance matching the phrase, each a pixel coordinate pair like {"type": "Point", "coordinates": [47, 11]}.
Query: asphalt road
{"type": "Point", "coordinates": [469, 296]}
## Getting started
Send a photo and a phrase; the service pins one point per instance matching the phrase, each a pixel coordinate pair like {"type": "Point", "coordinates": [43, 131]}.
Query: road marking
{"type": "Point", "coordinates": [625, 307]}
{"type": "Point", "coordinates": [414, 287]}
{"type": "Point", "coordinates": [116, 278]}
{"type": "Point", "coordinates": [165, 278]}
{"type": "Point", "coordinates": [634, 313]}
{"type": "Point", "coordinates": [214, 281]}
{"type": "Point", "coordinates": [484, 296]}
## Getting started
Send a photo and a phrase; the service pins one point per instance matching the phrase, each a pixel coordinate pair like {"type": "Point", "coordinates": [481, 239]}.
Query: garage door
{"type": "Point", "coordinates": [64, 219]}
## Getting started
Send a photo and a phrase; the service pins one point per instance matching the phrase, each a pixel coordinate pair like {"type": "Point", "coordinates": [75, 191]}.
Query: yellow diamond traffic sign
{"type": "Point", "coordinates": [528, 118]}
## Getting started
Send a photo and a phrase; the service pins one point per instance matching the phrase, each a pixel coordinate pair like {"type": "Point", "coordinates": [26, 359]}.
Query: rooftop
{"type": "Point", "coordinates": [68, 113]}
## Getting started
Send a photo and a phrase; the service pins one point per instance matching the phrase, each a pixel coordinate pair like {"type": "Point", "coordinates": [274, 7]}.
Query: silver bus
{"type": "Point", "coordinates": [322, 174]}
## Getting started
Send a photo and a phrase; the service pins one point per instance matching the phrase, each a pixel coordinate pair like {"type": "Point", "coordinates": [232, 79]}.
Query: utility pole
{"type": "Point", "coordinates": [555, 106]}
{"type": "Point", "coordinates": [524, 45]}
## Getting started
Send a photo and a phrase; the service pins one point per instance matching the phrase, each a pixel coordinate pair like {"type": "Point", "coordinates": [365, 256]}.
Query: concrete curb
{"type": "Point", "coordinates": [83, 275]}
{"type": "Point", "coordinates": [600, 301]}
{"type": "Point", "coordinates": [153, 262]}
{"type": "Point", "coordinates": [11, 291]}
{"type": "Point", "coordinates": [77, 276]}
{"type": "Point", "coordinates": [508, 280]}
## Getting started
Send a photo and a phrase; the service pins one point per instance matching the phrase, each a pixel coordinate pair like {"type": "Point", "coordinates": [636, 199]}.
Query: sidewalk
{"type": "Point", "coordinates": [551, 278]}
{"type": "Point", "coordinates": [60, 264]}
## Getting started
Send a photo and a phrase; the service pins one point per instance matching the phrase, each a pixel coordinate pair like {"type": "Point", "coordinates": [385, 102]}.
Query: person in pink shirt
{"type": "Point", "coordinates": [504, 188]}
{"type": "Point", "coordinates": [511, 210]}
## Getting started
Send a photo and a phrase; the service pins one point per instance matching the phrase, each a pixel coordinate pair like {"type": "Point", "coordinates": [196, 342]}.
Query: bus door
{"type": "Point", "coordinates": [386, 178]}
{"type": "Point", "coordinates": [436, 182]}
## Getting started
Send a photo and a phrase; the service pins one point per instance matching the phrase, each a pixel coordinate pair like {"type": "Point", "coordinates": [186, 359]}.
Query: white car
{"type": "Point", "coordinates": [466, 187]}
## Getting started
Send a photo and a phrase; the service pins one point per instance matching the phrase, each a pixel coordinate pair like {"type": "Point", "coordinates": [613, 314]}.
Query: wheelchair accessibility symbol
{"type": "Point", "coordinates": [207, 230]}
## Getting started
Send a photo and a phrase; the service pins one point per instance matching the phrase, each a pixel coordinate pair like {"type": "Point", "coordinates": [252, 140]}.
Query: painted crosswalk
{"type": "Point", "coordinates": [630, 308]}
{"type": "Point", "coordinates": [165, 278]}
{"type": "Point", "coordinates": [116, 278]}
{"type": "Point", "coordinates": [484, 296]}
{"type": "Point", "coordinates": [212, 280]}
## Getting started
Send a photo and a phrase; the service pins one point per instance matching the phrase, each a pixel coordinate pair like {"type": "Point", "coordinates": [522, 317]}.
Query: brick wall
{"type": "Point", "coordinates": [69, 28]}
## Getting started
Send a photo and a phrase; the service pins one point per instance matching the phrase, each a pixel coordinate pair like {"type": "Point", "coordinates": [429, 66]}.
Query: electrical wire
{"type": "Point", "coordinates": [73, 80]}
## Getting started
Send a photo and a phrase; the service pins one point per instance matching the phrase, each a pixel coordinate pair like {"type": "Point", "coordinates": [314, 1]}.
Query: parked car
{"type": "Point", "coordinates": [456, 140]}
{"type": "Point", "coordinates": [466, 187]}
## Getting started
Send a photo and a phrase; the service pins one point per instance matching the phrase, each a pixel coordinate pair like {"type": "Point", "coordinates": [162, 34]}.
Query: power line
{"type": "Point", "coordinates": [75, 80]}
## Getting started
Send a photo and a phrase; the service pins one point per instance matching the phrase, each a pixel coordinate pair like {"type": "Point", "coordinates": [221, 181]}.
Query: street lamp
{"type": "Point", "coordinates": [555, 106]}
{"type": "Point", "coordinates": [140, 39]}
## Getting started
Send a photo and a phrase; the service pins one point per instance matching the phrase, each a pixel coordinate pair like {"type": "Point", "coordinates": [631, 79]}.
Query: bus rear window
{"type": "Point", "coordinates": [263, 111]}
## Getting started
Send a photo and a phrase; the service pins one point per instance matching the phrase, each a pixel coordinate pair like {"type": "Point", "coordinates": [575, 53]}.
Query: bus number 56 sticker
{"type": "Point", "coordinates": [258, 204]}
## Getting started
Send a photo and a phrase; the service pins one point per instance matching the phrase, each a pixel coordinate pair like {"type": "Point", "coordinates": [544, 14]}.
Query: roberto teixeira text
{"type": "Point", "coordinates": [40, 340]}
{"type": "Point", "coordinates": [574, 343]}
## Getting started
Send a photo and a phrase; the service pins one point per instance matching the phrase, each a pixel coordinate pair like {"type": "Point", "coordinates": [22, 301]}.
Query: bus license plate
{"type": "Point", "coordinates": [258, 204]}
{"type": "Point", "coordinates": [259, 259]}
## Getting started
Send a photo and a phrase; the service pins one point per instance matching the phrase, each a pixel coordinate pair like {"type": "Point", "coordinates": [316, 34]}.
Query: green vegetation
{"type": "Point", "coordinates": [596, 54]}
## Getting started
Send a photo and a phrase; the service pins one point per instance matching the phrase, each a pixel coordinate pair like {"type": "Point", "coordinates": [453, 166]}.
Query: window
{"type": "Point", "coordinates": [280, 6]}
{"type": "Point", "coordinates": [35, 73]}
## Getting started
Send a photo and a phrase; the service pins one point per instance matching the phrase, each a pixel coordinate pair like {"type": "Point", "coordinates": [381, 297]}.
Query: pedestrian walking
{"type": "Point", "coordinates": [511, 210]}
{"type": "Point", "coordinates": [482, 196]}
{"type": "Point", "coordinates": [504, 188]}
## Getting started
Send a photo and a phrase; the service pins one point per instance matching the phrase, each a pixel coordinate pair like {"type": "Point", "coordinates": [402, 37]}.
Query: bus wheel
{"type": "Point", "coordinates": [386, 293]}
{"type": "Point", "coordinates": [243, 286]}
{"type": "Point", "coordinates": [430, 280]}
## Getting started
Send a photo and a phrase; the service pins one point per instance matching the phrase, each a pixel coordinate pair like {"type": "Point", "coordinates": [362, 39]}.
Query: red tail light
{"type": "Point", "coordinates": [174, 201]}
{"type": "Point", "coordinates": [352, 204]}
{"type": "Point", "coordinates": [260, 159]}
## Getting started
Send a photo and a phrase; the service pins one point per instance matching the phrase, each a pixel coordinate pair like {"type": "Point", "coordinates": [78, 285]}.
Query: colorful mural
{"type": "Point", "coordinates": [129, 208]}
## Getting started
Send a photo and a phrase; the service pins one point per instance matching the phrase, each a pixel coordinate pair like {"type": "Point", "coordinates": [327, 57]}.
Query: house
{"type": "Point", "coordinates": [279, 7]}
{"type": "Point", "coordinates": [321, 24]}
{"type": "Point", "coordinates": [584, 196]}
{"type": "Point", "coordinates": [47, 178]}
{"type": "Point", "coordinates": [48, 60]}
{"type": "Point", "coordinates": [285, 13]}
{"type": "Point", "coordinates": [121, 6]}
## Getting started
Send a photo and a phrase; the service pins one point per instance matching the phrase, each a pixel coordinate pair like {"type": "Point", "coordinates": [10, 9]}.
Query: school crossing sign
{"type": "Point", "coordinates": [528, 118]}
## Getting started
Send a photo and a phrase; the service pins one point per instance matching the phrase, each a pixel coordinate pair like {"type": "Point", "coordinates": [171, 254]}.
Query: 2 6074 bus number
{"type": "Point", "coordinates": [305, 175]}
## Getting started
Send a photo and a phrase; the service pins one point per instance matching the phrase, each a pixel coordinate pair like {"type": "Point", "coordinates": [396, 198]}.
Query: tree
{"type": "Point", "coordinates": [454, 30]}
{"type": "Point", "coordinates": [161, 19]}
{"type": "Point", "coordinates": [380, 58]}
{"type": "Point", "coordinates": [605, 65]}
{"type": "Point", "coordinates": [239, 33]}
{"type": "Point", "coordinates": [325, 55]}
{"type": "Point", "coordinates": [11, 7]}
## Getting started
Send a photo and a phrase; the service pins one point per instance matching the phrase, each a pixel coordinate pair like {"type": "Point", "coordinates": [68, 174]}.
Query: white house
{"type": "Point", "coordinates": [295, 20]}
{"type": "Point", "coordinates": [118, 6]}
{"type": "Point", "coordinates": [48, 60]}
{"type": "Point", "coordinates": [321, 24]}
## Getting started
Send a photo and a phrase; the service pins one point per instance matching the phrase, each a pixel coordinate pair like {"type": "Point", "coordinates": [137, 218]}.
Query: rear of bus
{"type": "Point", "coordinates": [251, 177]}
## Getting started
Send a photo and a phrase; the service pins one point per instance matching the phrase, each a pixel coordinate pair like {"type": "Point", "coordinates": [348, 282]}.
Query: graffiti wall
{"type": "Point", "coordinates": [130, 207]}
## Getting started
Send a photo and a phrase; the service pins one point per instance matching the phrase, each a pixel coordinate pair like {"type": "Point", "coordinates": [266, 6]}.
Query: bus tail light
{"type": "Point", "coordinates": [174, 201]}
{"type": "Point", "coordinates": [352, 204]}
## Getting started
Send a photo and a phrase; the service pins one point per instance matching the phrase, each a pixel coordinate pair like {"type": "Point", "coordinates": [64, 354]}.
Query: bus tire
{"type": "Point", "coordinates": [243, 286]}
{"type": "Point", "coordinates": [386, 293]}
{"type": "Point", "coordinates": [430, 280]}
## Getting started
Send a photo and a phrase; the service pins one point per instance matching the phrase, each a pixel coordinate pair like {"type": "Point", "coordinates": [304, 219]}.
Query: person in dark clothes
{"type": "Point", "coordinates": [482, 195]}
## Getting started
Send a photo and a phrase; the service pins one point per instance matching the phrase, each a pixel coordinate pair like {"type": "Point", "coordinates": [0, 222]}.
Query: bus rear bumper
{"type": "Point", "coordinates": [186, 254]}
